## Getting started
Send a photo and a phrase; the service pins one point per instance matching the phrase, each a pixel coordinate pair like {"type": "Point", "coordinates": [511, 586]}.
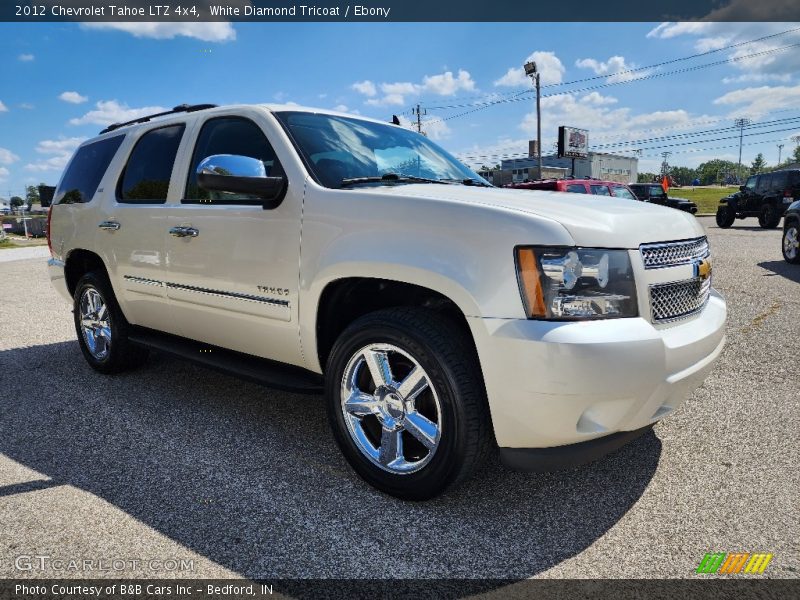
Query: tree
{"type": "Point", "coordinates": [31, 195]}
{"type": "Point", "coordinates": [646, 177]}
{"type": "Point", "coordinates": [16, 202]}
{"type": "Point", "coordinates": [758, 164]}
{"type": "Point", "coordinates": [796, 154]}
{"type": "Point", "coordinates": [683, 175]}
{"type": "Point", "coordinates": [718, 171]}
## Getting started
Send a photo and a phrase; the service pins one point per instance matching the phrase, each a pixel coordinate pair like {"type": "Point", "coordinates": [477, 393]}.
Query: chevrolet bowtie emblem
{"type": "Point", "coordinates": [702, 268]}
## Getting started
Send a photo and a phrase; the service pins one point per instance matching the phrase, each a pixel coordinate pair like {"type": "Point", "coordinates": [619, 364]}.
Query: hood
{"type": "Point", "coordinates": [598, 221]}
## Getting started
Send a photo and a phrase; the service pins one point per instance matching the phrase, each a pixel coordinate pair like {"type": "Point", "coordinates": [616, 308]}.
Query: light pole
{"type": "Point", "coordinates": [780, 149]}
{"type": "Point", "coordinates": [741, 123]}
{"type": "Point", "coordinates": [532, 72]}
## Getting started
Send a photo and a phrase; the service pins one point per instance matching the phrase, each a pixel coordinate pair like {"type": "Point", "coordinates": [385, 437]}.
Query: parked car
{"type": "Point", "coordinates": [578, 186]}
{"type": "Point", "coordinates": [653, 192]}
{"type": "Point", "coordinates": [790, 242]}
{"type": "Point", "coordinates": [766, 196]}
{"type": "Point", "coordinates": [439, 315]}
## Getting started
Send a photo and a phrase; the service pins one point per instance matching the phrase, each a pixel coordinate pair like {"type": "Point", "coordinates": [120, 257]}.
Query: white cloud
{"type": "Point", "coordinates": [598, 99]}
{"type": "Point", "coordinates": [758, 78]}
{"type": "Point", "coordinates": [4, 173]}
{"type": "Point", "coordinates": [112, 111]}
{"type": "Point", "coordinates": [27, 106]}
{"type": "Point", "coordinates": [716, 35]}
{"type": "Point", "coordinates": [60, 151]}
{"type": "Point", "coordinates": [365, 87]}
{"type": "Point", "coordinates": [72, 97]}
{"type": "Point", "coordinates": [7, 157]}
{"type": "Point", "coordinates": [443, 84]}
{"type": "Point", "coordinates": [436, 129]}
{"type": "Point", "coordinates": [755, 102]}
{"type": "Point", "coordinates": [615, 67]}
{"type": "Point", "coordinates": [548, 64]}
{"type": "Point", "coordinates": [447, 85]}
{"type": "Point", "coordinates": [207, 32]}
{"type": "Point", "coordinates": [3, 107]}
{"type": "Point", "coordinates": [26, 57]}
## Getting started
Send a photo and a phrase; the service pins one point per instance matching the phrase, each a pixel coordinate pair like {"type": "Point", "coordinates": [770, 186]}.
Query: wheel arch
{"type": "Point", "coordinates": [79, 262]}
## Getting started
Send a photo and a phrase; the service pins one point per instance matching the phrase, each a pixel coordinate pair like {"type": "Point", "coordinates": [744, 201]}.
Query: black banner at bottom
{"type": "Point", "coordinates": [439, 589]}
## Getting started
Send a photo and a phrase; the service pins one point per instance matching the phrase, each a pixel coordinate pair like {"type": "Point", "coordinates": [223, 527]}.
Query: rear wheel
{"type": "Point", "coordinates": [406, 402]}
{"type": "Point", "coordinates": [791, 244]}
{"type": "Point", "coordinates": [101, 327]}
{"type": "Point", "coordinates": [769, 217]}
{"type": "Point", "coordinates": [725, 216]}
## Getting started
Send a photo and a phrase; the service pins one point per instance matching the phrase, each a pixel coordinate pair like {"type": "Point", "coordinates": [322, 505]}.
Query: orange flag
{"type": "Point", "coordinates": [665, 184]}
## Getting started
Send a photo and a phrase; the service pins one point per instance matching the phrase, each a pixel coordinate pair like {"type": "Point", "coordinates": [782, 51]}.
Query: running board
{"type": "Point", "coordinates": [245, 366]}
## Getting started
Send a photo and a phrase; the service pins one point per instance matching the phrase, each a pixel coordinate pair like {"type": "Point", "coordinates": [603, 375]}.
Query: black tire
{"type": "Point", "coordinates": [121, 354]}
{"type": "Point", "coordinates": [769, 217]}
{"type": "Point", "coordinates": [447, 357]}
{"type": "Point", "coordinates": [725, 216]}
{"type": "Point", "coordinates": [793, 227]}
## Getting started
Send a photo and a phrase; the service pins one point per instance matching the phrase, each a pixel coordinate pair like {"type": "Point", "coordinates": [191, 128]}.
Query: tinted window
{"type": "Point", "coordinates": [779, 180]}
{"type": "Point", "coordinates": [621, 192]}
{"type": "Point", "coordinates": [751, 183]}
{"type": "Point", "coordinates": [656, 191]}
{"type": "Point", "coordinates": [794, 177]}
{"type": "Point", "coordinates": [600, 190]}
{"type": "Point", "coordinates": [85, 171]}
{"type": "Point", "coordinates": [230, 135]}
{"type": "Point", "coordinates": [576, 188]}
{"type": "Point", "coordinates": [146, 176]}
{"type": "Point", "coordinates": [640, 191]}
{"type": "Point", "coordinates": [762, 185]}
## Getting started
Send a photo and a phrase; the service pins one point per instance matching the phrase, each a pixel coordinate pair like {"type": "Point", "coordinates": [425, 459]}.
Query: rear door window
{"type": "Point", "coordinates": [600, 190]}
{"type": "Point", "coordinates": [86, 170]}
{"type": "Point", "coordinates": [145, 179]}
{"type": "Point", "coordinates": [779, 181]}
{"type": "Point", "coordinates": [763, 183]}
{"type": "Point", "coordinates": [576, 188]}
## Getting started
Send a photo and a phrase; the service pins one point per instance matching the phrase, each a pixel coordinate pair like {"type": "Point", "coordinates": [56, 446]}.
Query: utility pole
{"type": "Point", "coordinates": [741, 123]}
{"type": "Point", "coordinates": [532, 72]}
{"type": "Point", "coordinates": [664, 163]}
{"type": "Point", "coordinates": [780, 149]}
{"type": "Point", "coordinates": [419, 112]}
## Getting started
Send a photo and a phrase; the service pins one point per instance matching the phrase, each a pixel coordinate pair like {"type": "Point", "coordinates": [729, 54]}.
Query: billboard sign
{"type": "Point", "coordinates": [573, 142]}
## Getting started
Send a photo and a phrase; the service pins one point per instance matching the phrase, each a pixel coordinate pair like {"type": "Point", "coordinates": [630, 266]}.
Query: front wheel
{"type": "Point", "coordinates": [725, 216]}
{"type": "Point", "coordinates": [791, 244]}
{"type": "Point", "coordinates": [101, 327]}
{"type": "Point", "coordinates": [406, 402]}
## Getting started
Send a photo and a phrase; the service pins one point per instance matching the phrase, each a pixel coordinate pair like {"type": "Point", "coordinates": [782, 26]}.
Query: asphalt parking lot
{"type": "Point", "coordinates": [173, 462]}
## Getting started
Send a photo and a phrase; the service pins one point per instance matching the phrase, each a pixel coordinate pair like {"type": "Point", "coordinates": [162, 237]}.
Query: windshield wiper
{"type": "Point", "coordinates": [388, 178]}
{"type": "Point", "coordinates": [468, 181]}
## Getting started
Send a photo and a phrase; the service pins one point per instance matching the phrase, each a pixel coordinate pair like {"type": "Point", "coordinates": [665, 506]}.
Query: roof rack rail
{"type": "Point", "coordinates": [178, 109]}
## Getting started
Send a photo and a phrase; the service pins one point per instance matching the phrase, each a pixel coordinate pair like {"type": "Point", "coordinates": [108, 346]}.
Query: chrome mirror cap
{"type": "Point", "coordinates": [231, 165]}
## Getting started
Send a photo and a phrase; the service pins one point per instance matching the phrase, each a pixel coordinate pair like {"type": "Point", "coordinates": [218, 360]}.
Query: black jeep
{"type": "Point", "coordinates": [766, 196]}
{"type": "Point", "coordinates": [653, 192]}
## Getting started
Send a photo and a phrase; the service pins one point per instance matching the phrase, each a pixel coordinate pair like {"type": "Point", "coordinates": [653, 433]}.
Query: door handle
{"type": "Point", "coordinates": [182, 231]}
{"type": "Point", "coordinates": [109, 225]}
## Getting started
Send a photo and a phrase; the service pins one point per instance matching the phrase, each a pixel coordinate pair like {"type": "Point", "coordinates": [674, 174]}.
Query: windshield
{"type": "Point", "coordinates": [340, 149]}
{"type": "Point", "coordinates": [622, 192]}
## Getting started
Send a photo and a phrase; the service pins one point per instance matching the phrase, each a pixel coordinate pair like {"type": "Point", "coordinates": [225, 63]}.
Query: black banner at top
{"type": "Point", "coordinates": [399, 10]}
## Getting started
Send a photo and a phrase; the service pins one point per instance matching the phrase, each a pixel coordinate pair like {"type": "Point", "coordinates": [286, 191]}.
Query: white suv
{"type": "Point", "coordinates": [442, 317]}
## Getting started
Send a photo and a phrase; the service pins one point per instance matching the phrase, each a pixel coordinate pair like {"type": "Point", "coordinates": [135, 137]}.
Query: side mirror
{"type": "Point", "coordinates": [241, 175]}
{"type": "Point", "coordinates": [742, 188]}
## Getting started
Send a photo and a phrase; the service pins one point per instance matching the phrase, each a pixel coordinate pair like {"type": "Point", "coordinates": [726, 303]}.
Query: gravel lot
{"type": "Point", "coordinates": [177, 462]}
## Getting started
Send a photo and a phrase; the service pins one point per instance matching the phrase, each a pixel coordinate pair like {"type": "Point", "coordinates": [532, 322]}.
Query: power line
{"type": "Point", "coordinates": [485, 105]}
{"type": "Point", "coordinates": [624, 72]}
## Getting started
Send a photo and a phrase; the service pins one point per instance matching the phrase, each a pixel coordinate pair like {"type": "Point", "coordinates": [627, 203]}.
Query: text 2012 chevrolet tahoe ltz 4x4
{"type": "Point", "coordinates": [442, 316]}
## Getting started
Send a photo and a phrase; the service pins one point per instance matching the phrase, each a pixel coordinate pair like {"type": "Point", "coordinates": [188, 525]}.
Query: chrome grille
{"type": "Point", "coordinates": [671, 254]}
{"type": "Point", "coordinates": [679, 299]}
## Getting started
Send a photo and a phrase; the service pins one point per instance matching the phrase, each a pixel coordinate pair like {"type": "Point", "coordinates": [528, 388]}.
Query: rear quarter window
{"type": "Point", "coordinates": [86, 170]}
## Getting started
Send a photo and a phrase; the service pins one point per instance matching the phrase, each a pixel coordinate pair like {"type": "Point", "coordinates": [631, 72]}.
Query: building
{"type": "Point", "coordinates": [599, 165]}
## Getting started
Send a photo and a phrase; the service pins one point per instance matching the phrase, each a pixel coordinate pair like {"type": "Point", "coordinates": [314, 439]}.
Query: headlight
{"type": "Point", "coordinates": [576, 283]}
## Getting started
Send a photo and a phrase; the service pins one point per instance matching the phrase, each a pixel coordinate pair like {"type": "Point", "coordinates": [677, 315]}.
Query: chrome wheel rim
{"type": "Point", "coordinates": [791, 243]}
{"type": "Point", "coordinates": [95, 323]}
{"type": "Point", "coordinates": [391, 409]}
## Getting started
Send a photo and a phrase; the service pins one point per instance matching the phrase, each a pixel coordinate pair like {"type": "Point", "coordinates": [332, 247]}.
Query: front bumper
{"type": "Point", "coordinates": [557, 383]}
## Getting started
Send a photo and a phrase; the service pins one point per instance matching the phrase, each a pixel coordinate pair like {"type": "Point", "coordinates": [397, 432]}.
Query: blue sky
{"type": "Point", "coordinates": [62, 82]}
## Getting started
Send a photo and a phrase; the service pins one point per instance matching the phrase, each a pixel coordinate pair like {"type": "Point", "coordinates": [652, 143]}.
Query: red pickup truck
{"type": "Point", "coordinates": [578, 186]}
